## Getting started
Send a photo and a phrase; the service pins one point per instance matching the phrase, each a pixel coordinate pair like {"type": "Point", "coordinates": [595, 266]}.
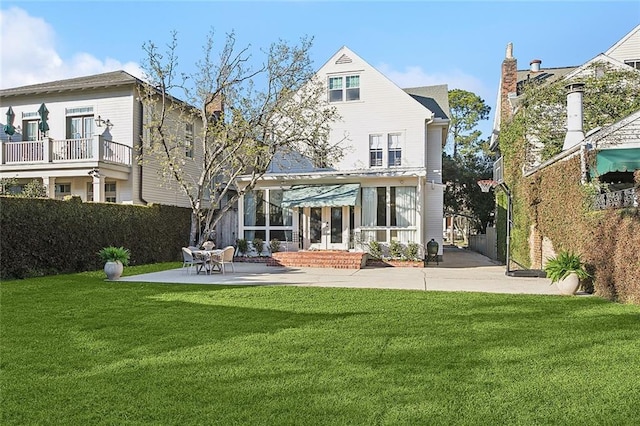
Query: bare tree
{"type": "Point", "coordinates": [248, 114]}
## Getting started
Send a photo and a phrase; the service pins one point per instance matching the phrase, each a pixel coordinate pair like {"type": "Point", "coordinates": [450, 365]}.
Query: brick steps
{"type": "Point", "coordinates": [319, 259]}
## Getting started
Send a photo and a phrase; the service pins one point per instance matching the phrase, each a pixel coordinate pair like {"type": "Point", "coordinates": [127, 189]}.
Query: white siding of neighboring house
{"type": "Point", "coordinates": [156, 188]}
{"type": "Point", "coordinates": [628, 48]}
{"type": "Point", "coordinates": [121, 107]}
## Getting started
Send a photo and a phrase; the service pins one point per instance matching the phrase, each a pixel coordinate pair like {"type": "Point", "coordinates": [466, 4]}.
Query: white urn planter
{"type": "Point", "coordinates": [569, 285]}
{"type": "Point", "coordinates": [113, 270]}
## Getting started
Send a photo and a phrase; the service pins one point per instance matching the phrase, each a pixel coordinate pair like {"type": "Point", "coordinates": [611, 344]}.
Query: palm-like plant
{"type": "Point", "coordinates": [115, 254]}
{"type": "Point", "coordinates": [565, 263]}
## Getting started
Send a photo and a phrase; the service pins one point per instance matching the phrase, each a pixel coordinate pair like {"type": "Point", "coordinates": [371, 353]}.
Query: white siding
{"type": "Point", "coordinates": [434, 199]}
{"type": "Point", "coordinates": [383, 108]}
{"type": "Point", "coordinates": [628, 48]}
{"type": "Point", "coordinates": [121, 107]}
{"type": "Point", "coordinates": [434, 154]}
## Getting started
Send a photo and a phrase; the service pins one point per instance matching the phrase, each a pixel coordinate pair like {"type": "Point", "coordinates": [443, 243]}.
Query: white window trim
{"type": "Point", "coordinates": [343, 77]}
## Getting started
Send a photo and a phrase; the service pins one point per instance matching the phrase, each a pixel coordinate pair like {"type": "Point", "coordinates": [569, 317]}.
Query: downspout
{"type": "Point", "coordinates": [583, 163]}
{"type": "Point", "coordinates": [141, 144]}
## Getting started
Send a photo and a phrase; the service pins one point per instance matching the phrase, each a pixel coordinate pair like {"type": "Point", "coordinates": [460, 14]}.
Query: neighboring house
{"type": "Point", "coordinates": [388, 186]}
{"type": "Point", "coordinates": [82, 136]}
{"type": "Point", "coordinates": [607, 156]}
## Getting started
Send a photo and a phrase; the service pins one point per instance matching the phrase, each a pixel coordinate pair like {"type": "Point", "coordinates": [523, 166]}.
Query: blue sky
{"type": "Point", "coordinates": [414, 43]}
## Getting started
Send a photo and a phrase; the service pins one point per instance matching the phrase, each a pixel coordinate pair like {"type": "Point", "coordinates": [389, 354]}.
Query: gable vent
{"type": "Point", "coordinates": [344, 59]}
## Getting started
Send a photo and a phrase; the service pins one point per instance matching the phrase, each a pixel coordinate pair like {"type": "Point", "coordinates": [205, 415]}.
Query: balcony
{"type": "Point", "coordinates": [616, 199]}
{"type": "Point", "coordinates": [95, 149]}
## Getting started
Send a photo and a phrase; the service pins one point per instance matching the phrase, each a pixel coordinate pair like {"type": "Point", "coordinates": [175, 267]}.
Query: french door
{"type": "Point", "coordinates": [327, 227]}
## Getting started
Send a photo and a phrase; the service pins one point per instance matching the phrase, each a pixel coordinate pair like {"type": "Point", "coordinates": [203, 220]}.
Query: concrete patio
{"type": "Point", "coordinates": [462, 270]}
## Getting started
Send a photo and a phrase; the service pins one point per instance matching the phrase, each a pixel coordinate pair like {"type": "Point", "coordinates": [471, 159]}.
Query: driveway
{"type": "Point", "coordinates": [462, 270]}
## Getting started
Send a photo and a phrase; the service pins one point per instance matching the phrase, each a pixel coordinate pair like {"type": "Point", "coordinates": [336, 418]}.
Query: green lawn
{"type": "Point", "coordinates": [78, 350]}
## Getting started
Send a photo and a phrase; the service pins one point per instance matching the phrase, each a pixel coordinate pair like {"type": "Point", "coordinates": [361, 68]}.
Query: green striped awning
{"type": "Point", "coordinates": [321, 195]}
{"type": "Point", "coordinates": [617, 160]}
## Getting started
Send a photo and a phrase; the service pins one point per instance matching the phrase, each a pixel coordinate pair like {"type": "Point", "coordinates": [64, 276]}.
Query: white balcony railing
{"type": "Point", "coordinates": [617, 199]}
{"type": "Point", "coordinates": [66, 150]}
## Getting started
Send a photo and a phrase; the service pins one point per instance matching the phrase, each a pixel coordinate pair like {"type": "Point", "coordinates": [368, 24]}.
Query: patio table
{"type": "Point", "coordinates": [207, 256]}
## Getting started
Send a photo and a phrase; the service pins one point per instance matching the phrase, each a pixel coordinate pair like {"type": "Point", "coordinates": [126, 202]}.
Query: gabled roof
{"type": "Point", "coordinates": [628, 138]}
{"type": "Point", "coordinates": [434, 98]}
{"type": "Point", "coordinates": [544, 76]}
{"type": "Point", "coordinates": [109, 79]}
{"type": "Point", "coordinates": [600, 58]}
{"type": "Point", "coordinates": [622, 41]}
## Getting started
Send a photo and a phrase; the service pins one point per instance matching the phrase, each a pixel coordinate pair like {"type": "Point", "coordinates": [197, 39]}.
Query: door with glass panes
{"type": "Point", "coordinates": [327, 228]}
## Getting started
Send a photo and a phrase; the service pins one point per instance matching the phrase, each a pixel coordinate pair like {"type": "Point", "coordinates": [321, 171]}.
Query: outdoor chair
{"type": "Point", "coordinates": [188, 260]}
{"type": "Point", "coordinates": [226, 259]}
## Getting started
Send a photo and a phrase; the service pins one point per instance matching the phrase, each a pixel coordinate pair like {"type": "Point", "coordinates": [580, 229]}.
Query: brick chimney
{"type": "Point", "coordinates": [575, 134]}
{"type": "Point", "coordinates": [509, 83]}
{"type": "Point", "coordinates": [214, 105]}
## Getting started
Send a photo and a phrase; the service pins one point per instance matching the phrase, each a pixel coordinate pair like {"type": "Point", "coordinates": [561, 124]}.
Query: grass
{"type": "Point", "coordinates": [79, 350]}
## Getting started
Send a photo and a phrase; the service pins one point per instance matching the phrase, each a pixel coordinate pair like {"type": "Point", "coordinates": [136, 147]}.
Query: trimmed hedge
{"type": "Point", "coordinates": [46, 236]}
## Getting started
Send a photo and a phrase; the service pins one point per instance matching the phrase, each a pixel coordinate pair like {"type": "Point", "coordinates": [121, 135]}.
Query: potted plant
{"type": "Point", "coordinates": [566, 269]}
{"type": "Point", "coordinates": [243, 247]}
{"type": "Point", "coordinates": [258, 244]}
{"type": "Point", "coordinates": [115, 259]}
{"type": "Point", "coordinates": [274, 245]}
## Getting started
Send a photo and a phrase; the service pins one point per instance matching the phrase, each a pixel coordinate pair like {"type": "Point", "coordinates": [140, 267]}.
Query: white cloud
{"type": "Point", "coordinates": [415, 76]}
{"type": "Point", "coordinates": [29, 55]}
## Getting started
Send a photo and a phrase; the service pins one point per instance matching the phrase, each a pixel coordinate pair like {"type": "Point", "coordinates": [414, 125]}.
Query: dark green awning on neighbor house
{"type": "Point", "coordinates": [321, 195]}
{"type": "Point", "coordinates": [617, 160]}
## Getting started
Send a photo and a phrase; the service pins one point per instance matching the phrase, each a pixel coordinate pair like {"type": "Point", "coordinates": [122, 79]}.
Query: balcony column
{"type": "Point", "coordinates": [2, 152]}
{"type": "Point", "coordinates": [47, 142]}
{"type": "Point", "coordinates": [97, 149]}
{"type": "Point", "coordinates": [50, 183]}
{"type": "Point", "coordinates": [98, 188]}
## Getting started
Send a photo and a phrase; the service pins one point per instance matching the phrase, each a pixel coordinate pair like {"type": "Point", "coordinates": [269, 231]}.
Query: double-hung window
{"type": "Point", "coordinates": [375, 150]}
{"type": "Point", "coordinates": [344, 88]}
{"type": "Point", "coordinates": [353, 87]}
{"type": "Point", "coordinates": [62, 189]}
{"type": "Point", "coordinates": [395, 150]}
{"type": "Point", "coordinates": [188, 140]}
{"type": "Point", "coordinates": [335, 89]}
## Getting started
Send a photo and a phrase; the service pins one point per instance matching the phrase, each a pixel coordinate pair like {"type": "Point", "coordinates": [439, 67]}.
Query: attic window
{"type": "Point", "coordinates": [344, 59]}
{"type": "Point", "coordinates": [345, 88]}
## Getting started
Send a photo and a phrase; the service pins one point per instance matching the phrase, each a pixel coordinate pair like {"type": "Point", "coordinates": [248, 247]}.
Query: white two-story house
{"type": "Point", "coordinates": [387, 187]}
{"type": "Point", "coordinates": [82, 136]}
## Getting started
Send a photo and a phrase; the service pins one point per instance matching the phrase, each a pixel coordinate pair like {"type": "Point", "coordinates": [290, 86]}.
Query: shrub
{"type": "Point", "coordinates": [274, 245]}
{"type": "Point", "coordinates": [61, 237]}
{"type": "Point", "coordinates": [375, 250]}
{"type": "Point", "coordinates": [413, 251]}
{"type": "Point", "coordinates": [396, 251]}
{"type": "Point", "coordinates": [258, 244]}
{"type": "Point", "coordinates": [243, 246]}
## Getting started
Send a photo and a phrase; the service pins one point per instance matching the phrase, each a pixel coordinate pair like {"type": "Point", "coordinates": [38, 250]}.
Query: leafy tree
{"type": "Point", "coordinates": [469, 161]}
{"type": "Point", "coordinates": [33, 189]}
{"type": "Point", "coordinates": [463, 195]}
{"type": "Point", "coordinates": [6, 184]}
{"type": "Point", "coordinates": [249, 113]}
{"type": "Point", "coordinates": [467, 109]}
